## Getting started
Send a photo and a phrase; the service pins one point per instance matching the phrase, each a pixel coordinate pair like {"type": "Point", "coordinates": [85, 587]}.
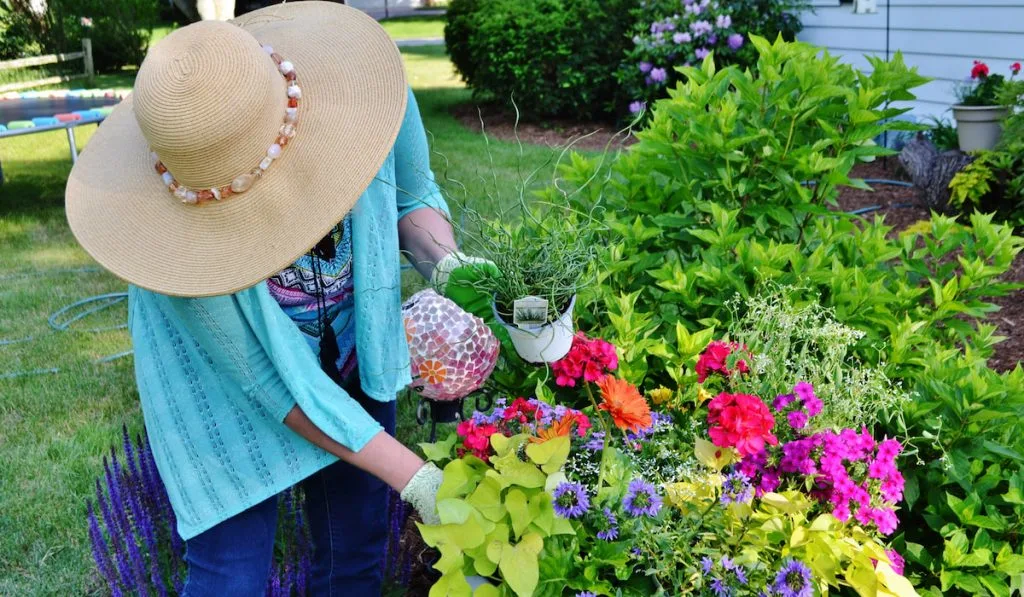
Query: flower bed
{"type": "Point", "coordinates": [723, 495]}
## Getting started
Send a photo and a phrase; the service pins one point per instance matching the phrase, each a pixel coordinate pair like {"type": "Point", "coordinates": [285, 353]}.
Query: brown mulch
{"type": "Point", "coordinates": [498, 123]}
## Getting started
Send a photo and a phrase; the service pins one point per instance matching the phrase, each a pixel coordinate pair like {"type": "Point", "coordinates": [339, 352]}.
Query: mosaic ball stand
{"type": "Point", "coordinates": [452, 353]}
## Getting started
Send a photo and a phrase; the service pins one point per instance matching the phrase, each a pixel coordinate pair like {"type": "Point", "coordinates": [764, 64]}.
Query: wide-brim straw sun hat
{"type": "Point", "coordinates": [241, 146]}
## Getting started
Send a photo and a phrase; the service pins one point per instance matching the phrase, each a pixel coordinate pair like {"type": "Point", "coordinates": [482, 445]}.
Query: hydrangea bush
{"type": "Point", "coordinates": [675, 33]}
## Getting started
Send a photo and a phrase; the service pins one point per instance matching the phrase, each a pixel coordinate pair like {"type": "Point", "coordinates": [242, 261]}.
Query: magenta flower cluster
{"type": "Point", "coordinates": [851, 473]}
{"type": "Point", "coordinates": [799, 406]}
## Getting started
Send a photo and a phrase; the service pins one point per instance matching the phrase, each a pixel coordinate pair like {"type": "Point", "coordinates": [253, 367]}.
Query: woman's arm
{"type": "Point", "coordinates": [425, 236]}
{"type": "Point", "coordinates": [383, 456]}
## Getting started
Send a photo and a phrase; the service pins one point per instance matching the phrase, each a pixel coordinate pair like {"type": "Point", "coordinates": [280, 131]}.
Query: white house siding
{"type": "Point", "coordinates": [941, 38]}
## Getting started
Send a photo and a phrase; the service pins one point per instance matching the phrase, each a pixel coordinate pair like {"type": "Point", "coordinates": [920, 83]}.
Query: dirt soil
{"type": "Point", "coordinates": [897, 204]}
{"type": "Point", "coordinates": [498, 123]}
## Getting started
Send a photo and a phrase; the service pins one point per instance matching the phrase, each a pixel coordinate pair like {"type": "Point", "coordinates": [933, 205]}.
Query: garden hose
{"type": "Point", "coordinates": [62, 319]}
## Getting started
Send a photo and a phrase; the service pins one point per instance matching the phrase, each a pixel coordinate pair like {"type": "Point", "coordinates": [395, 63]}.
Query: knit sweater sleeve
{"type": "Point", "coordinates": [417, 187]}
{"type": "Point", "coordinates": [253, 344]}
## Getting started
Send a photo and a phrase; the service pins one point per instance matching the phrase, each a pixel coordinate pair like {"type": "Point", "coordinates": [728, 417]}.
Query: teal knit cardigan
{"type": "Point", "coordinates": [217, 375]}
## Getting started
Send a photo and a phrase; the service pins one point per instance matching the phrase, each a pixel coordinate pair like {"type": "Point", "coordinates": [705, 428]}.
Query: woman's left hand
{"type": "Point", "coordinates": [457, 277]}
{"type": "Point", "coordinates": [421, 492]}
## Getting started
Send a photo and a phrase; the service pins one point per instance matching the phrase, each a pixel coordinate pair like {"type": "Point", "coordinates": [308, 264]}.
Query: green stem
{"type": "Point", "coordinates": [607, 436]}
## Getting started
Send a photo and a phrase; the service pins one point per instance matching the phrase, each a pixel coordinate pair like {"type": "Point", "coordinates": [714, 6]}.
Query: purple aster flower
{"type": "Point", "coordinates": [636, 552]}
{"type": "Point", "coordinates": [645, 67]}
{"type": "Point", "coordinates": [596, 443]}
{"type": "Point", "coordinates": [641, 499]}
{"type": "Point", "coordinates": [610, 531]}
{"type": "Point", "coordinates": [586, 594]}
{"type": "Point", "coordinates": [797, 419]}
{"type": "Point", "coordinates": [682, 38]}
{"type": "Point", "coordinates": [706, 564]}
{"type": "Point", "coordinates": [793, 580]}
{"type": "Point", "coordinates": [712, 39]}
{"type": "Point", "coordinates": [723, 21]}
{"type": "Point", "coordinates": [701, 53]}
{"type": "Point", "coordinates": [658, 75]}
{"type": "Point", "coordinates": [635, 108]}
{"type": "Point", "coordinates": [571, 500]}
{"type": "Point", "coordinates": [719, 588]}
{"type": "Point", "coordinates": [735, 41]}
{"type": "Point", "coordinates": [736, 489]}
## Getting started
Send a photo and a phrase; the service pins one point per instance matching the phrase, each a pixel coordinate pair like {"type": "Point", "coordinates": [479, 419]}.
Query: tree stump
{"type": "Point", "coordinates": [932, 171]}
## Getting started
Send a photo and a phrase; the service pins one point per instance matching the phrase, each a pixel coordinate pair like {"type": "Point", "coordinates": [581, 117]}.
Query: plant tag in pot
{"type": "Point", "coordinates": [530, 311]}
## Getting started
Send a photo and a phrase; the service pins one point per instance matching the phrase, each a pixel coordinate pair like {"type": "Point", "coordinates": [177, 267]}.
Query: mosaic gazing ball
{"type": "Point", "coordinates": [452, 352]}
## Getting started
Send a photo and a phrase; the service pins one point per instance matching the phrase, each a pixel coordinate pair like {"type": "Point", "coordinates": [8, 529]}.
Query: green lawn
{"type": "Point", "coordinates": [56, 427]}
{"type": "Point", "coordinates": [415, 27]}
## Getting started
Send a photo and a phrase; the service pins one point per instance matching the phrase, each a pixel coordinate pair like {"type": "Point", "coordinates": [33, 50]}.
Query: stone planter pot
{"type": "Point", "coordinates": [978, 127]}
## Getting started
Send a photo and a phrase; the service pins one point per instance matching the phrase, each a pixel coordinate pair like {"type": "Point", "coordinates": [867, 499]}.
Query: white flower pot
{"type": "Point", "coordinates": [978, 127]}
{"type": "Point", "coordinates": [543, 343]}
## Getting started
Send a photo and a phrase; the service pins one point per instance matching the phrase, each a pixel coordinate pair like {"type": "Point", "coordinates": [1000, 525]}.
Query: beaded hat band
{"type": "Point", "coordinates": [243, 182]}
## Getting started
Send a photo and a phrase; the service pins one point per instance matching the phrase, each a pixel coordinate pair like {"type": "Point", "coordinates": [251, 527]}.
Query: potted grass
{"type": "Point", "coordinates": [979, 114]}
{"type": "Point", "coordinates": [545, 254]}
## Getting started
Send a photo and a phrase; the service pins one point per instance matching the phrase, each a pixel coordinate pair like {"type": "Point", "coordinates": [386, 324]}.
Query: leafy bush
{"type": "Point", "coordinates": [726, 191]}
{"type": "Point", "coordinates": [120, 29]}
{"type": "Point", "coordinates": [553, 57]}
{"type": "Point", "coordinates": [665, 38]}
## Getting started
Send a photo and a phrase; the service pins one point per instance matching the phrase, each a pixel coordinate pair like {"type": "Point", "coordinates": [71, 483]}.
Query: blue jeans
{"type": "Point", "coordinates": [346, 510]}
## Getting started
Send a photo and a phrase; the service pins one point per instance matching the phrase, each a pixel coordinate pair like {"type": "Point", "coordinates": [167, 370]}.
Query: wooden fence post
{"type": "Point", "coordinates": [87, 59]}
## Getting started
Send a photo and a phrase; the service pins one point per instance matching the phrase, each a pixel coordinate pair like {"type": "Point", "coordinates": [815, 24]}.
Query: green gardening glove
{"type": "Point", "coordinates": [457, 277]}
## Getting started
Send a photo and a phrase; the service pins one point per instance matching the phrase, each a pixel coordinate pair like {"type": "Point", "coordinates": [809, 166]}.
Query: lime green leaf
{"type": "Point", "coordinates": [453, 511]}
{"type": "Point", "coordinates": [519, 565]}
{"type": "Point", "coordinates": [518, 510]}
{"type": "Point", "coordinates": [457, 481]}
{"type": "Point", "coordinates": [486, 590]}
{"type": "Point", "coordinates": [487, 499]}
{"type": "Point", "coordinates": [711, 455]}
{"type": "Point", "coordinates": [441, 450]}
{"type": "Point", "coordinates": [452, 584]}
{"type": "Point", "coordinates": [550, 455]}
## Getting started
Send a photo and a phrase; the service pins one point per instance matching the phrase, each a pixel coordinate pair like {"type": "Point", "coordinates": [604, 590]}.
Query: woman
{"type": "Point", "coordinates": [283, 145]}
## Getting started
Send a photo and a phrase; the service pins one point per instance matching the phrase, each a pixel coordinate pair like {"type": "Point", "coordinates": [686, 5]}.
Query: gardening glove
{"type": "Point", "coordinates": [457, 276]}
{"type": "Point", "coordinates": [421, 492]}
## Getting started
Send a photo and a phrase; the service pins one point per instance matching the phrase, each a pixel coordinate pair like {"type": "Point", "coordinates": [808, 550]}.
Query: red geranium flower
{"type": "Point", "coordinates": [1015, 68]}
{"type": "Point", "coordinates": [740, 421]}
{"type": "Point", "coordinates": [980, 70]}
{"type": "Point", "coordinates": [477, 438]}
{"type": "Point", "coordinates": [589, 359]}
{"type": "Point", "coordinates": [714, 358]}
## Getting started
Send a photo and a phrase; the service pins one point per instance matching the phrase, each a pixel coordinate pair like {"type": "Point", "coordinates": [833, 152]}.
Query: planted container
{"type": "Point", "coordinates": [541, 342]}
{"type": "Point", "coordinates": [978, 127]}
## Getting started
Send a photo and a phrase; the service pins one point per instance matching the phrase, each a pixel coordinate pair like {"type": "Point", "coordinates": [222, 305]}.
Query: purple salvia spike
{"type": "Point", "coordinates": [144, 524]}
{"type": "Point", "coordinates": [303, 576]}
{"type": "Point", "coordinates": [129, 457]}
{"type": "Point", "coordinates": [119, 500]}
{"type": "Point", "coordinates": [100, 553]}
{"type": "Point", "coordinates": [108, 520]}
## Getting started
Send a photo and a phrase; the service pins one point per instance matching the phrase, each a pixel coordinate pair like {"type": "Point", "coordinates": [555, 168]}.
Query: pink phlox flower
{"type": "Point", "coordinates": [797, 419]}
{"type": "Point", "coordinates": [782, 401]}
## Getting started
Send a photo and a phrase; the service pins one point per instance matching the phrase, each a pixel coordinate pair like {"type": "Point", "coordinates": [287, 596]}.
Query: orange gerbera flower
{"type": "Point", "coordinates": [433, 372]}
{"type": "Point", "coordinates": [559, 428]}
{"type": "Point", "coordinates": [624, 403]}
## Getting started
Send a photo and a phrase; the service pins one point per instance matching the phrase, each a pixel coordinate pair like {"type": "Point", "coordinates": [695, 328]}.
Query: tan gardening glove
{"type": "Point", "coordinates": [421, 492]}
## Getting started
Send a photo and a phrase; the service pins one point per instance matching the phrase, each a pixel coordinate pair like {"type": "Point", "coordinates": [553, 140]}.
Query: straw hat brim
{"type": "Point", "coordinates": [354, 97]}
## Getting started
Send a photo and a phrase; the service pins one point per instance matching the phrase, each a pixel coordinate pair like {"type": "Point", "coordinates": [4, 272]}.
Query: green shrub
{"type": "Point", "coordinates": [553, 57]}
{"type": "Point", "coordinates": [120, 29]}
